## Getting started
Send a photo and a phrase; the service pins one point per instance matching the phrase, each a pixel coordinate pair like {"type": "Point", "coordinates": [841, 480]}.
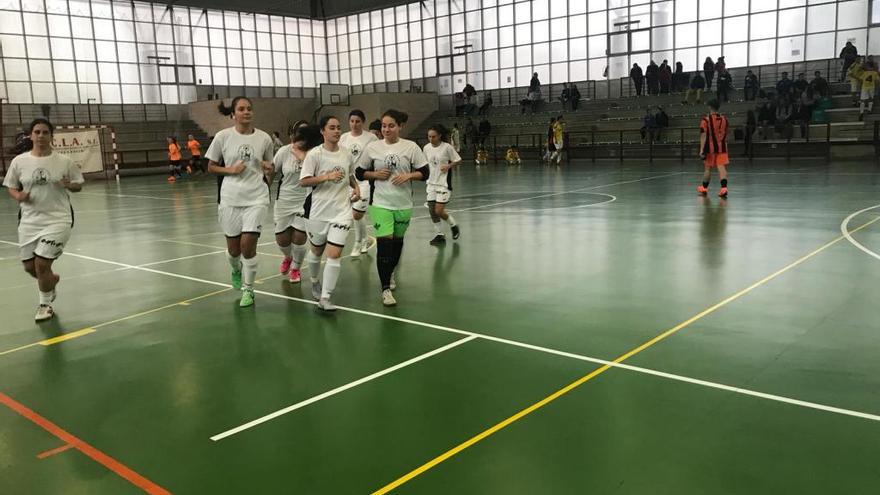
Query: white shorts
{"type": "Point", "coordinates": [362, 204]}
{"type": "Point", "coordinates": [47, 242]}
{"type": "Point", "coordinates": [867, 94]}
{"type": "Point", "coordinates": [286, 217]}
{"type": "Point", "coordinates": [439, 194]}
{"type": "Point", "coordinates": [321, 232]}
{"type": "Point", "coordinates": [237, 219]}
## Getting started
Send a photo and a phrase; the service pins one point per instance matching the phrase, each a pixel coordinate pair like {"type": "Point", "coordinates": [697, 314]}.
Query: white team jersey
{"type": "Point", "coordinates": [249, 187]}
{"type": "Point", "coordinates": [401, 157]}
{"type": "Point", "coordinates": [440, 155]}
{"type": "Point", "coordinates": [357, 145]}
{"type": "Point", "coordinates": [49, 202]}
{"type": "Point", "coordinates": [288, 166]}
{"type": "Point", "coordinates": [330, 200]}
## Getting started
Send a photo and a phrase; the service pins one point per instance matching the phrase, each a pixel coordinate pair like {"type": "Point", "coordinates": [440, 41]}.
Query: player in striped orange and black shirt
{"type": "Point", "coordinates": [713, 148]}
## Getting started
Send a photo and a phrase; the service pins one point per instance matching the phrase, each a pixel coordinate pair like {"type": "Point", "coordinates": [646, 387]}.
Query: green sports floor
{"type": "Point", "coordinates": [597, 329]}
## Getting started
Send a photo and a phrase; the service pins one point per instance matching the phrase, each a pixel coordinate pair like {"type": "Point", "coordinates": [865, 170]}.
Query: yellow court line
{"type": "Point", "coordinates": [67, 336]}
{"type": "Point", "coordinates": [568, 388]}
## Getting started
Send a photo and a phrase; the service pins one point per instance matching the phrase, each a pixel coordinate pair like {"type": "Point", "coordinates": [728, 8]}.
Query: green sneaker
{"type": "Point", "coordinates": [247, 298]}
{"type": "Point", "coordinates": [236, 280]}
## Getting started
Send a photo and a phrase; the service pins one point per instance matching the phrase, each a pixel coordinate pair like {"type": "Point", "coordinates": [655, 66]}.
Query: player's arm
{"type": "Point", "coordinates": [234, 169]}
{"type": "Point", "coordinates": [19, 195]}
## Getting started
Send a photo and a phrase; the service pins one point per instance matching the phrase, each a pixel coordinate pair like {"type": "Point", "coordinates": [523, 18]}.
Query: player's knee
{"type": "Point", "coordinates": [30, 268]}
{"type": "Point", "coordinates": [42, 266]}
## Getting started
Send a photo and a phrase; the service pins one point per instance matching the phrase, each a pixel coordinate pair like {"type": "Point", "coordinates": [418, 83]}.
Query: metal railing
{"type": "Point", "coordinates": [20, 113]}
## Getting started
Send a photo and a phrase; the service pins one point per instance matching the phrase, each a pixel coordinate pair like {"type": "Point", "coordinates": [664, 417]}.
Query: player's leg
{"type": "Point", "coordinates": [229, 219]}
{"type": "Point", "coordinates": [722, 174]}
{"type": "Point", "coordinates": [703, 189]}
{"type": "Point", "coordinates": [298, 249]}
{"type": "Point", "coordinates": [252, 226]}
{"type": "Point", "coordinates": [317, 232]}
{"type": "Point", "coordinates": [283, 239]}
{"type": "Point", "coordinates": [383, 221]}
{"type": "Point", "coordinates": [439, 237]}
{"type": "Point", "coordinates": [336, 236]}
{"type": "Point", "coordinates": [443, 197]}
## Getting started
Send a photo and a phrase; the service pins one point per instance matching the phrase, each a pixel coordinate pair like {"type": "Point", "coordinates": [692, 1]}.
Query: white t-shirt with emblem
{"type": "Point", "coordinates": [331, 199]}
{"type": "Point", "coordinates": [402, 157]}
{"type": "Point", "coordinates": [357, 145]}
{"type": "Point", "coordinates": [249, 187]}
{"type": "Point", "coordinates": [437, 156]}
{"type": "Point", "coordinates": [291, 195]}
{"type": "Point", "coordinates": [40, 176]}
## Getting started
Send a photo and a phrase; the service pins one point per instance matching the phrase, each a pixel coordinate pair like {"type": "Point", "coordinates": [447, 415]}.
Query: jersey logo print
{"type": "Point", "coordinates": [40, 177]}
{"type": "Point", "coordinates": [341, 171]}
{"type": "Point", "coordinates": [340, 226]}
{"type": "Point", "coordinates": [392, 163]}
{"type": "Point", "coordinates": [355, 150]}
{"type": "Point", "coordinates": [245, 152]}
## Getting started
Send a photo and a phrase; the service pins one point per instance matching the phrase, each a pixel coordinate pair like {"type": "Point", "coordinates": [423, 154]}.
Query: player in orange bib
{"type": "Point", "coordinates": [173, 159]}
{"type": "Point", "coordinates": [713, 148]}
{"type": "Point", "coordinates": [195, 151]}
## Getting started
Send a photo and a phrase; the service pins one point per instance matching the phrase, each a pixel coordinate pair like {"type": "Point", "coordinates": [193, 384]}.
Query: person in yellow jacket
{"type": "Point", "coordinates": [869, 85]}
{"type": "Point", "coordinates": [854, 74]}
{"type": "Point", "coordinates": [558, 140]}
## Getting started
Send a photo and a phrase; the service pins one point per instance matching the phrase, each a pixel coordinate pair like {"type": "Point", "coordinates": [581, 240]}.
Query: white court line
{"type": "Point", "coordinates": [548, 195]}
{"type": "Point", "coordinates": [844, 230]}
{"type": "Point", "coordinates": [338, 390]}
{"type": "Point", "coordinates": [182, 258]}
{"type": "Point", "coordinates": [139, 196]}
{"type": "Point", "coordinates": [648, 371]}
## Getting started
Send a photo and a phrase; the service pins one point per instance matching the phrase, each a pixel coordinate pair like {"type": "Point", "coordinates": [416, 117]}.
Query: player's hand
{"type": "Point", "coordinates": [702, 156]}
{"type": "Point", "coordinates": [401, 179]}
{"type": "Point", "coordinates": [64, 182]}
{"type": "Point", "coordinates": [268, 167]}
{"type": "Point", "coordinates": [23, 197]}
{"type": "Point", "coordinates": [355, 194]}
{"type": "Point", "coordinates": [237, 168]}
{"type": "Point", "coordinates": [445, 168]}
{"type": "Point", "coordinates": [383, 174]}
{"type": "Point", "coordinates": [333, 176]}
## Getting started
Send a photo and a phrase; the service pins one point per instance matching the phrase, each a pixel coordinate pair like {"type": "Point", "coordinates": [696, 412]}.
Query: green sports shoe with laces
{"type": "Point", "coordinates": [236, 280]}
{"type": "Point", "coordinates": [247, 298]}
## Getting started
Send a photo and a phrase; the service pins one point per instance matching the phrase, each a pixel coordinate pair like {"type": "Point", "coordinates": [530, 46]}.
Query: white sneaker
{"type": "Point", "coordinates": [365, 246]}
{"type": "Point", "coordinates": [325, 304]}
{"type": "Point", "coordinates": [45, 312]}
{"type": "Point", "coordinates": [388, 298]}
{"type": "Point", "coordinates": [316, 290]}
{"type": "Point", "coordinates": [356, 250]}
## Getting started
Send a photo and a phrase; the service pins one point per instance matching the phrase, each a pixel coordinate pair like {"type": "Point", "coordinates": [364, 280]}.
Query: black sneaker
{"type": "Point", "coordinates": [438, 239]}
{"type": "Point", "coordinates": [456, 232]}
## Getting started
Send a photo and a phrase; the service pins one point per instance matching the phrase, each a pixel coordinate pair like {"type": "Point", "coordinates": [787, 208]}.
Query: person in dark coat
{"type": "Point", "coordinates": [652, 76]}
{"type": "Point", "coordinates": [638, 78]}
{"type": "Point", "coordinates": [709, 72]}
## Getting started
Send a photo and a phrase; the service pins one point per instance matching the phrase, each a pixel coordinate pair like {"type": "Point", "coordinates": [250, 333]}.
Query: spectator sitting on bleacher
{"type": "Point", "coordinates": [662, 121]}
{"type": "Point", "coordinates": [638, 78]}
{"type": "Point", "coordinates": [783, 86]}
{"type": "Point", "coordinates": [855, 79]}
{"type": "Point", "coordinates": [652, 76]}
{"type": "Point", "coordinates": [680, 79]}
{"type": "Point", "coordinates": [820, 85]}
{"type": "Point", "coordinates": [849, 54]}
{"type": "Point", "coordinates": [698, 84]}
{"type": "Point", "coordinates": [750, 86]}
{"type": "Point", "coordinates": [649, 126]}
{"type": "Point", "coordinates": [799, 85]}
{"type": "Point", "coordinates": [766, 118]}
{"type": "Point", "coordinates": [664, 76]}
{"type": "Point", "coordinates": [724, 85]}
{"type": "Point", "coordinates": [487, 104]}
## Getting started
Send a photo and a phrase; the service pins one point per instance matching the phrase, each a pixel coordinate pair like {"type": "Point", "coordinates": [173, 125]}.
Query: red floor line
{"type": "Point", "coordinates": [55, 451]}
{"type": "Point", "coordinates": [96, 455]}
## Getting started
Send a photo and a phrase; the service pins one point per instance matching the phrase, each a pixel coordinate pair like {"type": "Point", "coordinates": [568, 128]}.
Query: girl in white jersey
{"type": "Point", "coordinates": [356, 140]}
{"type": "Point", "coordinates": [245, 176]}
{"type": "Point", "coordinates": [441, 158]}
{"type": "Point", "coordinates": [293, 202]}
{"type": "Point", "coordinates": [328, 169]}
{"type": "Point", "coordinates": [392, 163]}
{"type": "Point", "coordinates": [40, 181]}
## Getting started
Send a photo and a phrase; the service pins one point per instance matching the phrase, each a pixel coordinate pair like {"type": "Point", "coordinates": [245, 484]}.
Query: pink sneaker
{"type": "Point", "coordinates": [294, 276]}
{"type": "Point", "coordinates": [285, 265]}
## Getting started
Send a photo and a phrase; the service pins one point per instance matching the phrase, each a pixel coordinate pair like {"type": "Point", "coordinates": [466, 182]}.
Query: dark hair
{"type": "Point", "coordinates": [296, 125]}
{"type": "Point", "coordinates": [441, 130]}
{"type": "Point", "coordinates": [310, 134]}
{"type": "Point", "coordinates": [228, 111]}
{"type": "Point", "coordinates": [173, 139]}
{"type": "Point", "coordinates": [376, 125]}
{"type": "Point", "coordinates": [397, 115]}
{"type": "Point", "coordinates": [322, 123]}
{"type": "Point", "coordinates": [41, 120]}
{"type": "Point", "coordinates": [357, 113]}
{"type": "Point", "coordinates": [714, 104]}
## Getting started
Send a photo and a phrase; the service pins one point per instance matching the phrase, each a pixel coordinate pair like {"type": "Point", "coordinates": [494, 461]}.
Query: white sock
{"type": "Point", "coordinates": [234, 262]}
{"type": "Point", "coordinates": [437, 228]}
{"type": "Point", "coordinates": [249, 272]}
{"type": "Point", "coordinates": [331, 275]}
{"type": "Point", "coordinates": [861, 107]}
{"type": "Point", "coordinates": [299, 254]}
{"type": "Point", "coordinates": [314, 266]}
{"type": "Point", "coordinates": [285, 250]}
{"type": "Point", "coordinates": [361, 229]}
{"type": "Point", "coordinates": [46, 297]}
{"type": "Point", "coordinates": [450, 221]}
{"type": "Point", "coordinates": [358, 235]}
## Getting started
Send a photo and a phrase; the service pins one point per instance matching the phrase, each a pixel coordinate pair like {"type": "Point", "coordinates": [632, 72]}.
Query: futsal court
{"type": "Point", "coordinates": [598, 328]}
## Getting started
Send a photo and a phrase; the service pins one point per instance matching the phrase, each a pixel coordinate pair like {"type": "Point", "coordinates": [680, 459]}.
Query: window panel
{"type": "Point", "coordinates": [59, 25]}
{"type": "Point", "coordinates": [64, 71]}
{"type": "Point", "coordinates": [131, 94]}
{"type": "Point", "coordinates": [763, 26]}
{"type": "Point", "coordinates": [87, 72]}
{"type": "Point", "coordinates": [67, 93]}
{"type": "Point", "coordinates": [736, 54]}
{"type": "Point", "coordinates": [10, 23]}
{"type": "Point", "coordinates": [710, 32]}
{"type": "Point", "coordinates": [792, 22]}
{"type": "Point", "coordinates": [685, 11]}
{"type": "Point", "coordinates": [108, 72]}
{"type": "Point", "coordinates": [853, 14]}
{"type": "Point", "coordinates": [106, 51]}
{"type": "Point", "coordinates": [762, 52]}
{"type": "Point", "coordinates": [686, 35]}
{"type": "Point", "coordinates": [103, 29]}
{"type": "Point", "coordinates": [13, 46]}
{"type": "Point", "coordinates": [34, 24]}
{"type": "Point", "coordinates": [16, 69]}
{"type": "Point", "coordinates": [736, 29]}
{"type": "Point", "coordinates": [598, 23]}
{"type": "Point", "coordinates": [43, 92]}
{"type": "Point", "coordinates": [790, 49]}
{"type": "Point", "coordinates": [56, 6]}
{"type": "Point", "coordinates": [710, 9]}
{"type": "Point", "coordinates": [821, 18]}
